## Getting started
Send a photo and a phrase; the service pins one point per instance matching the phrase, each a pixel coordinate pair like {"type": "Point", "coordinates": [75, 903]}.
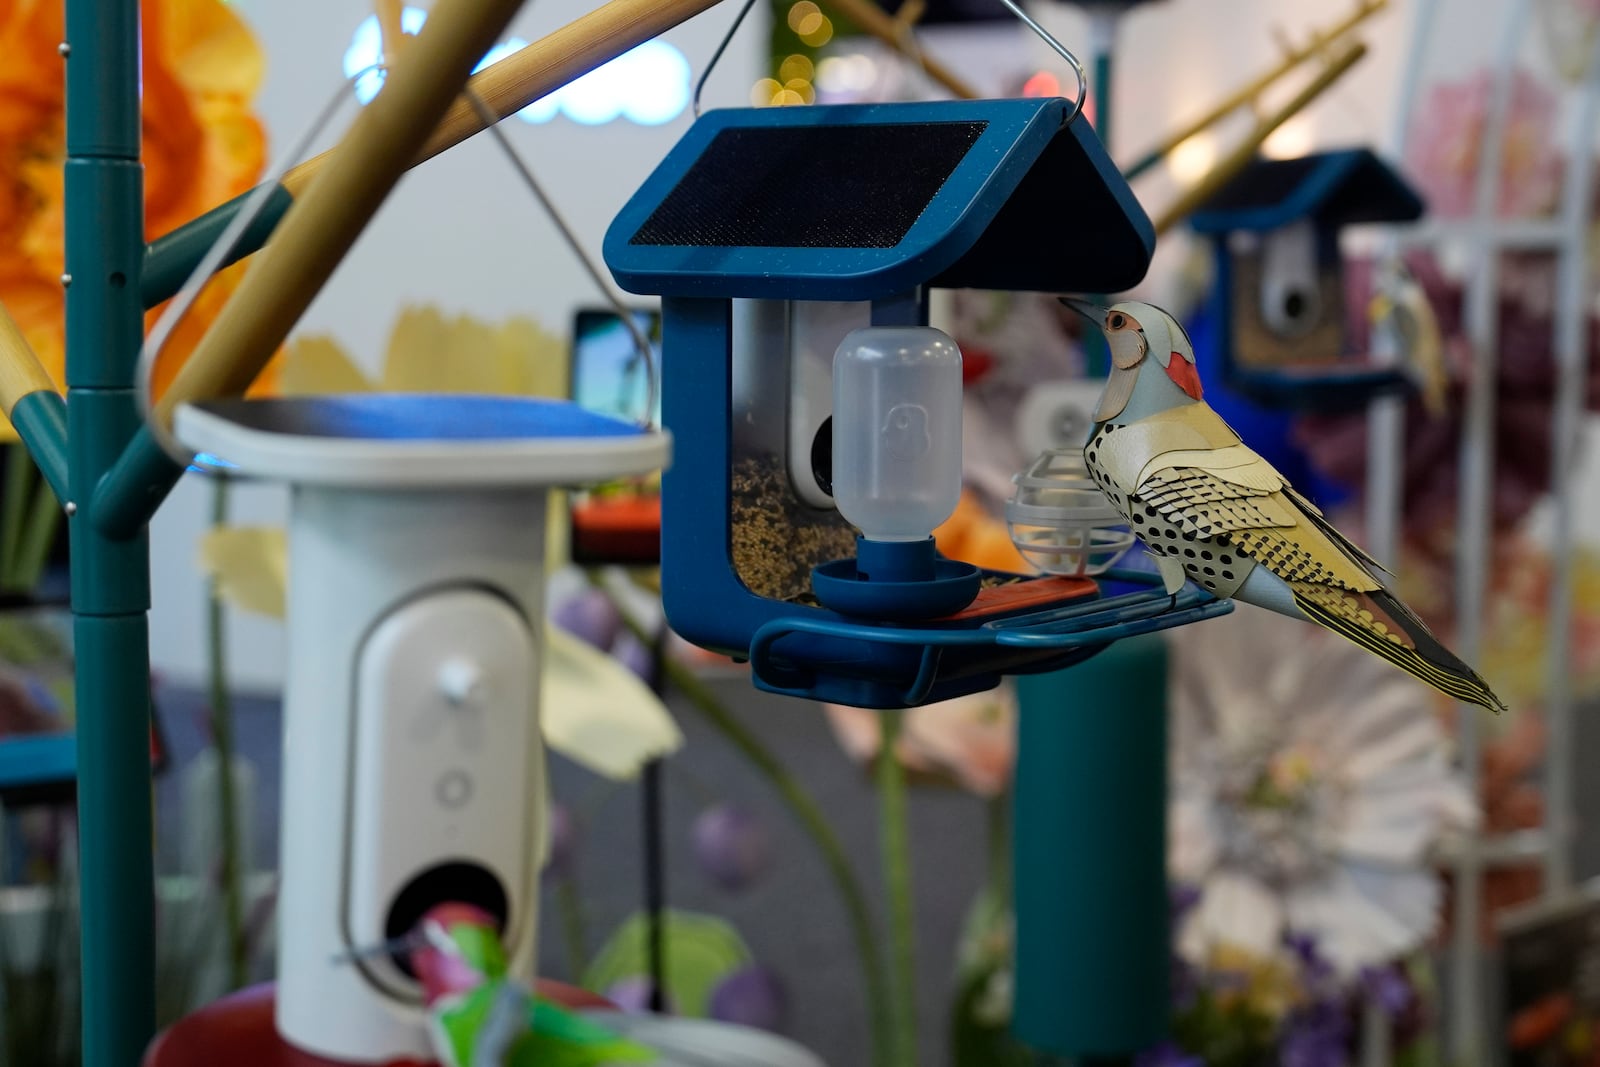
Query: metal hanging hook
{"type": "Point", "coordinates": [716, 57]}
{"type": "Point", "coordinates": [1059, 49]}
{"type": "Point", "coordinates": [644, 352]}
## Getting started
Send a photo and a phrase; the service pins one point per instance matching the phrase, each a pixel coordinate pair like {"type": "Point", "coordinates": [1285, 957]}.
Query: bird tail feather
{"type": "Point", "coordinates": [1428, 660]}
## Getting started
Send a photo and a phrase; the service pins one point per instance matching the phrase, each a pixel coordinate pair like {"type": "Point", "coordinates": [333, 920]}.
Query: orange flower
{"type": "Point", "coordinates": [202, 146]}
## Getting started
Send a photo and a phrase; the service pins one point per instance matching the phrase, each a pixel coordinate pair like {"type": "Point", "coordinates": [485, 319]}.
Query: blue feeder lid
{"type": "Point", "coordinates": [1340, 188]}
{"type": "Point", "coordinates": [865, 201]}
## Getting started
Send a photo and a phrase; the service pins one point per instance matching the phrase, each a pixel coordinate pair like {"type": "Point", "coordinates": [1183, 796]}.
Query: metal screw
{"type": "Point", "coordinates": [71, 509]}
{"type": "Point", "coordinates": [65, 49]}
{"type": "Point", "coordinates": [66, 279]}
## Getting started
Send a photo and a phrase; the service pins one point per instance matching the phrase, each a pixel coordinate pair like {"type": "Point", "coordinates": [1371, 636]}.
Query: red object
{"type": "Point", "coordinates": [620, 529]}
{"type": "Point", "coordinates": [238, 1030]}
{"type": "Point", "coordinates": [1032, 593]}
{"type": "Point", "coordinates": [975, 365]}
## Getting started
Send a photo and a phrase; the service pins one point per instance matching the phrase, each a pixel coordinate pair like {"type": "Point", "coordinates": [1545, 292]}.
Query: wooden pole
{"type": "Point", "coordinates": [333, 210]}
{"type": "Point", "coordinates": [1241, 155]}
{"type": "Point", "coordinates": [21, 372]}
{"type": "Point", "coordinates": [1319, 44]}
{"type": "Point", "coordinates": [538, 70]}
{"type": "Point", "coordinates": [389, 31]}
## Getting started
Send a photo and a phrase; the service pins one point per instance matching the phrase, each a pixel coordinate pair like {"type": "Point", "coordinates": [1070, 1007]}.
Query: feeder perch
{"type": "Point", "coordinates": [411, 736]}
{"type": "Point", "coordinates": [1278, 301]}
{"type": "Point", "coordinates": [771, 235]}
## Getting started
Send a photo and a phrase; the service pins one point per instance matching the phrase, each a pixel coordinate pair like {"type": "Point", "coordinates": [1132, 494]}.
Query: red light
{"type": "Point", "coordinates": [1043, 83]}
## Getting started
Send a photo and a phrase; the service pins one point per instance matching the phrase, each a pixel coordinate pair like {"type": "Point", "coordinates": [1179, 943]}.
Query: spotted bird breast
{"type": "Point", "coordinates": [1210, 562]}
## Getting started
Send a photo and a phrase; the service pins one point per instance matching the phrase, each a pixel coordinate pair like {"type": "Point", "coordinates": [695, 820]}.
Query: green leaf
{"type": "Point", "coordinates": [700, 950]}
{"type": "Point", "coordinates": [976, 1038]}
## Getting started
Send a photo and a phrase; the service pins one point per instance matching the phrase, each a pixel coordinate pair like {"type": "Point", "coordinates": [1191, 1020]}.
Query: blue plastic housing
{"type": "Point", "coordinates": [1335, 189]}
{"type": "Point", "coordinates": [1003, 194]}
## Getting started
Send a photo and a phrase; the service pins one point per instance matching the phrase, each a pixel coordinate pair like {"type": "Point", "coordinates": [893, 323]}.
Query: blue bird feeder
{"type": "Point", "coordinates": [1278, 299]}
{"type": "Point", "coordinates": [770, 234]}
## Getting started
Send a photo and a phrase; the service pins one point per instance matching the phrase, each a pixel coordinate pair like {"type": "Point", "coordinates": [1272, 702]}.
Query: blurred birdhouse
{"type": "Point", "coordinates": [1279, 296]}
{"type": "Point", "coordinates": [771, 234]}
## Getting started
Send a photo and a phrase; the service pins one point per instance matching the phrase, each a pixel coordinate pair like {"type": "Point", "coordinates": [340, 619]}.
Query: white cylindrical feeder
{"type": "Point", "coordinates": [413, 770]}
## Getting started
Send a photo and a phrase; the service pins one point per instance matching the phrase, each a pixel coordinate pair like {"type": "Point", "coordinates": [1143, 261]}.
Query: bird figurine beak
{"type": "Point", "coordinates": [1091, 311]}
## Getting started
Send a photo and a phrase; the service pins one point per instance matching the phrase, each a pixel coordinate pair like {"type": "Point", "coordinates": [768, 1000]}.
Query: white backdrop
{"type": "Point", "coordinates": [462, 233]}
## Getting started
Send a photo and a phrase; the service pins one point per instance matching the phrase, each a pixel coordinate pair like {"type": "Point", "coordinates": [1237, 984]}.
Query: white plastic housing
{"type": "Point", "coordinates": [897, 430]}
{"type": "Point", "coordinates": [411, 740]}
{"type": "Point", "coordinates": [397, 601]}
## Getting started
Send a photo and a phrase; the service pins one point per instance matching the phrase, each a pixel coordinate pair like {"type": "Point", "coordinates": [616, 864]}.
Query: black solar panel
{"type": "Point", "coordinates": [856, 186]}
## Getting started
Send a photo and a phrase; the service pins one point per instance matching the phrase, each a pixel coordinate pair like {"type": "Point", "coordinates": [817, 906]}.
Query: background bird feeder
{"type": "Point", "coordinates": [1278, 303]}
{"type": "Point", "coordinates": [411, 729]}
{"type": "Point", "coordinates": [771, 235]}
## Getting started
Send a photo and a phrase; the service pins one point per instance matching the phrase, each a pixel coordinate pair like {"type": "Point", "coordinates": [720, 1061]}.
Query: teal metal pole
{"type": "Point", "coordinates": [110, 576]}
{"type": "Point", "coordinates": [1089, 848]}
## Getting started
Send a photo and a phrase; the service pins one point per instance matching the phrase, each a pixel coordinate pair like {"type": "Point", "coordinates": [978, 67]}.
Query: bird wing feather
{"type": "Point", "coordinates": [1252, 505]}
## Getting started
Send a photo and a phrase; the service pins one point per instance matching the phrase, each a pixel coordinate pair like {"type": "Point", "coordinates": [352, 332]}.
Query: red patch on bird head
{"type": "Point", "coordinates": [1182, 372]}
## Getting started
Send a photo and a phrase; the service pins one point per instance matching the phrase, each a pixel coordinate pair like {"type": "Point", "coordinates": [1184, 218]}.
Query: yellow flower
{"type": "Point", "coordinates": [202, 145]}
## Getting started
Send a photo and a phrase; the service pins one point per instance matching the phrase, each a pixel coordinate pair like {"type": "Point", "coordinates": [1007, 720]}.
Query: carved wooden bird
{"type": "Point", "coordinates": [1213, 512]}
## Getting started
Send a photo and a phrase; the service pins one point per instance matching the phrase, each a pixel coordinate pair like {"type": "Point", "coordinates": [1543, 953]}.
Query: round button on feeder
{"type": "Point", "coordinates": [460, 681]}
{"type": "Point", "coordinates": [453, 789]}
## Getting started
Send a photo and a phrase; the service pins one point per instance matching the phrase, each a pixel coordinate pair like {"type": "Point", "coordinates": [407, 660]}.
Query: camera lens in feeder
{"type": "Point", "coordinates": [822, 456]}
{"type": "Point", "coordinates": [460, 883]}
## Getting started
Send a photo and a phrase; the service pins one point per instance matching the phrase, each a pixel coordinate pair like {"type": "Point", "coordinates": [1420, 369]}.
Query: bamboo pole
{"type": "Point", "coordinates": [886, 28]}
{"type": "Point", "coordinates": [333, 210]}
{"type": "Point", "coordinates": [538, 70]}
{"type": "Point", "coordinates": [1245, 151]}
{"type": "Point", "coordinates": [1246, 94]}
{"type": "Point", "coordinates": [389, 30]}
{"type": "Point", "coordinates": [21, 373]}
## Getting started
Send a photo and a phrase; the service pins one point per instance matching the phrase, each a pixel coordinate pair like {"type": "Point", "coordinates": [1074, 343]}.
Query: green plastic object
{"type": "Point", "coordinates": [1089, 848]}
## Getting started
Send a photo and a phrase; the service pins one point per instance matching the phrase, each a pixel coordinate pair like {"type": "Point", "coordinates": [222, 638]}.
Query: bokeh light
{"type": "Point", "coordinates": [796, 66]}
{"type": "Point", "coordinates": [1192, 159]}
{"type": "Point", "coordinates": [802, 11]}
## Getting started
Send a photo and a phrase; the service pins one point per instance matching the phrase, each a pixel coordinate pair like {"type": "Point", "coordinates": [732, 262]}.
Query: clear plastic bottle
{"type": "Point", "coordinates": [897, 430]}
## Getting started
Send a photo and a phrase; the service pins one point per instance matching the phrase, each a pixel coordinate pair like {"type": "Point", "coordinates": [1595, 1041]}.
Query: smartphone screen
{"type": "Point", "coordinates": [619, 522]}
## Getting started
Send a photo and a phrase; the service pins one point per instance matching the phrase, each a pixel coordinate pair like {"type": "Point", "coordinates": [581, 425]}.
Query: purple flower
{"type": "Point", "coordinates": [751, 996]}
{"type": "Point", "coordinates": [731, 845]}
{"type": "Point", "coordinates": [558, 865]}
{"type": "Point", "coordinates": [591, 617]}
{"type": "Point", "coordinates": [1317, 1035]}
{"type": "Point", "coordinates": [1182, 898]}
{"type": "Point", "coordinates": [632, 995]}
{"type": "Point", "coordinates": [1314, 966]}
{"type": "Point", "coordinates": [636, 656]}
{"type": "Point", "coordinates": [1388, 988]}
{"type": "Point", "coordinates": [1167, 1054]}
